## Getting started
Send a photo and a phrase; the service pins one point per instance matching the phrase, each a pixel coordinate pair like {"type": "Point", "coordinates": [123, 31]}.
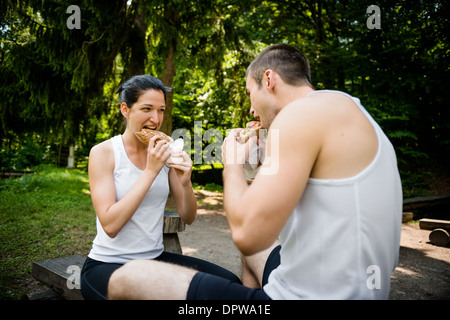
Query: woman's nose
{"type": "Point", "coordinates": [154, 117]}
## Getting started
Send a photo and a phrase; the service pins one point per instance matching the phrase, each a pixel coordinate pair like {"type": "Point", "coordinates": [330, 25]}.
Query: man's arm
{"type": "Point", "coordinates": [257, 213]}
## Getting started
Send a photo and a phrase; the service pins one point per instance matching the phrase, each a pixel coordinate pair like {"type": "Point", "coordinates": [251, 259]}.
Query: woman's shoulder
{"type": "Point", "coordinates": [103, 146]}
{"type": "Point", "coordinates": [102, 151]}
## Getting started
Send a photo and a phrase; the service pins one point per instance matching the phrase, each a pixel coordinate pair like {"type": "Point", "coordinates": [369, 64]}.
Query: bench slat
{"type": "Point", "coordinates": [431, 224]}
{"type": "Point", "coordinates": [54, 273]}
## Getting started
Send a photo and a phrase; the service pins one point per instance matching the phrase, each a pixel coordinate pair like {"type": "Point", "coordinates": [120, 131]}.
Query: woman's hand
{"type": "Point", "coordinates": [156, 154]}
{"type": "Point", "coordinates": [181, 187]}
{"type": "Point", "coordinates": [183, 169]}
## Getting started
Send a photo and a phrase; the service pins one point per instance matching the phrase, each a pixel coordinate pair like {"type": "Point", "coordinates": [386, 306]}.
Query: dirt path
{"type": "Point", "coordinates": [423, 272]}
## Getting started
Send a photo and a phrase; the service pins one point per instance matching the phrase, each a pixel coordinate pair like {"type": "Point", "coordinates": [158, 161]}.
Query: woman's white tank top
{"type": "Point", "coordinates": [342, 239]}
{"type": "Point", "coordinates": [141, 236]}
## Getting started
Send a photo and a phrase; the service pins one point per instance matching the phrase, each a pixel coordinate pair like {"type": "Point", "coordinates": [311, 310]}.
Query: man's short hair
{"type": "Point", "coordinates": [288, 61]}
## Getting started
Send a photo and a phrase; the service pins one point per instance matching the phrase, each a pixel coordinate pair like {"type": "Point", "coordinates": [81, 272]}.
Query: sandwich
{"type": "Point", "coordinates": [251, 129]}
{"type": "Point", "coordinates": [146, 134]}
{"type": "Point", "coordinates": [174, 146]}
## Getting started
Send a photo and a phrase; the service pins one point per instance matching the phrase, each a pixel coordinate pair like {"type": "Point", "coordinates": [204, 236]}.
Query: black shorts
{"type": "Point", "coordinates": [95, 274]}
{"type": "Point", "coordinates": [206, 286]}
{"type": "Point", "coordinates": [211, 282]}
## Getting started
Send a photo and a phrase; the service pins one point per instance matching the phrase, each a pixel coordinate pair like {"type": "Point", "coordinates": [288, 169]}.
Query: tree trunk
{"type": "Point", "coordinates": [167, 79]}
{"type": "Point", "coordinates": [71, 158]}
{"type": "Point", "coordinates": [137, 44]}
{"type": "Point", "coordinates": [171, 17]}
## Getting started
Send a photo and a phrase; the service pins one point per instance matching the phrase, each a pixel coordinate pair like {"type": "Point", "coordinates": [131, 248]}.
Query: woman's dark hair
{"type": "Point", "coordinates": [288, 61]}
{"type": "Point", "coordinates": [132, 89]}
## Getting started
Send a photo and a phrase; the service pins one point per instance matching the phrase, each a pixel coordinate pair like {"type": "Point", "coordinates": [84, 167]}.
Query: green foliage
{"type": "Point", "coordinates": [398, 72]}
{"type": "Point", "coordinates": [43, 215]}
{"type": "Point", "coordinates": [27, 154]}
{"type": "Point", "coordinates": [60, 84]}
{"type": "Point", "coordinates": [54, 76]}
{"type": "Point", "coordinates": [208, 187]}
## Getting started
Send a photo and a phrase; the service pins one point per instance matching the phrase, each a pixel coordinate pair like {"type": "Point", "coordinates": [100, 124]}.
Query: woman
{"type": "Point", "coordinates": [130, 184]}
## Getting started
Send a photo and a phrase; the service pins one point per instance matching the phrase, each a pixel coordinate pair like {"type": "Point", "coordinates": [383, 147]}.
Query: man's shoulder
{"type": "Point", "coordinates": [324, 98]}
{"type": "Point", "coordinates": [300, 126]}
{"type": "Point", "coordinates": [325, 107]}
{"type": "Point", "coordinates": [301, 113]}
{"type": "Point", "coordinates": [314, 118]}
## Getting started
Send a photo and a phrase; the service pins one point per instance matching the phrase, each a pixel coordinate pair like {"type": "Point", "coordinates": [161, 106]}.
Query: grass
{"type": "Point", "coordinates": [42, 216]}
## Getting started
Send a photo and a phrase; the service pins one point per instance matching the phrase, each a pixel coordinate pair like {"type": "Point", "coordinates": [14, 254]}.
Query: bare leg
{"type": "Point", "coordinates": [253, 267]}
{"type": "Point", "coordinates": [150, 280]}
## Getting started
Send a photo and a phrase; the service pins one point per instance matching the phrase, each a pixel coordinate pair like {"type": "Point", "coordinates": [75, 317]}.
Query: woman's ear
{"type": "Point", "coordinates": [124, 109]}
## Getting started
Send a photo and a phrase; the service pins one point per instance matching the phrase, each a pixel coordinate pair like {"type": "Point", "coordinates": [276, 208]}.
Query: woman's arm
{"type": "Point", "coordinates": [113, 215]}
{"type": "Point", "coordinates": [181, 189]}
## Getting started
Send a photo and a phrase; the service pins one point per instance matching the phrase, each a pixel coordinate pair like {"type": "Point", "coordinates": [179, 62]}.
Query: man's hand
{"type": "Point", "coordinates": [235, 153]}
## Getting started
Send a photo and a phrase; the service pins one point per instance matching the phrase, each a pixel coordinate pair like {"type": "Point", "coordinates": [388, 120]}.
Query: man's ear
{"type": "Point", "coordinates": [269, 79]}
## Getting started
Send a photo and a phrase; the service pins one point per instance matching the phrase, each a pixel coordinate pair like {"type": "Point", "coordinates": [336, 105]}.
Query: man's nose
{"type": "Point", "coordinates": [253, 113]}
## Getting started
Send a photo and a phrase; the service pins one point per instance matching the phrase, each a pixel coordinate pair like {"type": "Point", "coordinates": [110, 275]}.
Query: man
{"type": "Point", "coordinates": [329, 189]}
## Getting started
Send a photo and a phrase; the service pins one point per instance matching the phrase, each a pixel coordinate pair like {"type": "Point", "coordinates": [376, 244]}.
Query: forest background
{"type": "Point", "coordinates": [59, 79]}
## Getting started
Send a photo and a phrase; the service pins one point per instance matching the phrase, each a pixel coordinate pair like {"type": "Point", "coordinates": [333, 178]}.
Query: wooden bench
{"type": "Point", "coordinates": [172, 225]}
{"type": "Point", "coordinates": [412, 204]}
{"type": "Point", "coordinates": [62, 275]}
{"type": "Point", "coordinates": [440, 234]}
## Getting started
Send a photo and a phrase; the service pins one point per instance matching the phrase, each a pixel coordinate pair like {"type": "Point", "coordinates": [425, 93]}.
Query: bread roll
{"type": "Point", "coordinates": [146, 134]}
{"type": "Point", "coordinates": [251, 129]}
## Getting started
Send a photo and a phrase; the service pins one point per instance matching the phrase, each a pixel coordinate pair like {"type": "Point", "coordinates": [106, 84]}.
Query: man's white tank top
{"type": "Point", "coordinates": [342, 240]}
{"type": "Point", "coordinates": [141, 236]}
